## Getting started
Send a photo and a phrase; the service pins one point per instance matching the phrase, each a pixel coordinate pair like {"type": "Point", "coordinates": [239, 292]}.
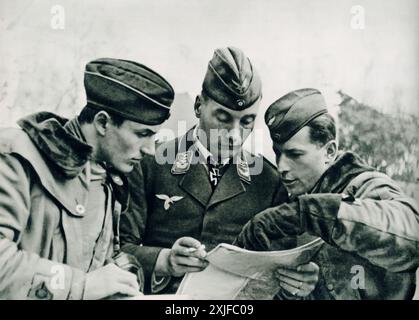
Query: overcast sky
{"type": "Point", "coordinates": [292, 43]}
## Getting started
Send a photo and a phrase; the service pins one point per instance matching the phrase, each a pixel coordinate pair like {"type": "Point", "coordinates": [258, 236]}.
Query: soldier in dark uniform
{"type": "Point", "coordinates": [200, 189]}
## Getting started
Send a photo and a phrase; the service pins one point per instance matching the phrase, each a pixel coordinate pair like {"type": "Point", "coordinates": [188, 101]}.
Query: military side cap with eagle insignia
{"type": "Point", "coordinates": [231, 79]}
{"type": "Point", "coordinates": [290, 113]}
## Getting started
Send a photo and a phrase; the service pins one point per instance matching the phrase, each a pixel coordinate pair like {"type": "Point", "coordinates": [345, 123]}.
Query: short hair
{"type": "Point", "coordinates": [322, 129]}
{"type": "Point", "coordinates": [88, 113]}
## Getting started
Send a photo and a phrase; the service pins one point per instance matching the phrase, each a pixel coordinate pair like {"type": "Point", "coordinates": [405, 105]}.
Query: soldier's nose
{"type": "Point", "coordinates": [234, 138]}
{"type": "Point", "coordinates": [148, 148]}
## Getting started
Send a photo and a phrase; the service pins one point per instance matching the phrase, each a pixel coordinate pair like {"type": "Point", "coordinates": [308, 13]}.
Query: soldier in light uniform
{"type": "Point", "coordinates": [62, 188]}
{"type": "Point", "coordinates": [201, 188]}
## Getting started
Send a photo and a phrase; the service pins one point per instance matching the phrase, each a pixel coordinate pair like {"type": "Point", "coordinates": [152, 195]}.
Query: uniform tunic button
{"type": "Point", "coordinates": [80, 209]}
{"type": "Point", "coordinates": [330, 287]}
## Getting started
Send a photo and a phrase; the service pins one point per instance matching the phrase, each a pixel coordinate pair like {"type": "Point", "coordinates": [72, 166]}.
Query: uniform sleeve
{"type": "Point", "coordinates": [377, 222]}
{"type": "Point", "coordinates": [134, 220]}
{"type": "Point", "coordinates": [25, 274]}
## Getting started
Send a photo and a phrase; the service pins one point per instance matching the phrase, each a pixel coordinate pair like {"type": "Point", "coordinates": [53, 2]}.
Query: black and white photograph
{"type": "Point", "coordinates": [208, 150]}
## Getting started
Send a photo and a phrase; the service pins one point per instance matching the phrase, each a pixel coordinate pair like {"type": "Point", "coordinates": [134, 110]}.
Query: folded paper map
{"type": "Point", "coordinates": [236, 273]}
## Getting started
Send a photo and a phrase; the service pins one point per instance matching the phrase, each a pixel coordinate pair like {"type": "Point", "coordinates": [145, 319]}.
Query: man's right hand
{"type": "Point", "coordinates": [110, 280]}
{"type": "Point", "coordinates": [186, 255]}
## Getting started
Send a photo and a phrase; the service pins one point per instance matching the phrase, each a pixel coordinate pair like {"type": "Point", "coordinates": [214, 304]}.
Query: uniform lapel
{"type": "Point", "coordinates": [196, 183]}
{"type": "Point", "coordinates": [194, 177]}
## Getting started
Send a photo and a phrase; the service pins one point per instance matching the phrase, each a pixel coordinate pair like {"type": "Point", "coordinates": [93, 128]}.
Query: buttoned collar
{"type": "Point", "coordinates": [192, 151]}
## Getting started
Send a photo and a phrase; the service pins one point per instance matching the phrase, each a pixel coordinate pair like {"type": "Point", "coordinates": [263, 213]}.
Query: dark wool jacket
{"type": "Point", "coordinates": [169, 201]}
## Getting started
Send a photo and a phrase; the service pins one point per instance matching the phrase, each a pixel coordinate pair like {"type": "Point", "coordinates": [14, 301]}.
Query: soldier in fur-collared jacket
{"type": "Point", "coordinates": [62, 192]}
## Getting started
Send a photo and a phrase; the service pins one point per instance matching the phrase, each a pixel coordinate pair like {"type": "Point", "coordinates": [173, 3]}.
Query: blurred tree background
{"type": "Point", "coordinates": [388, 142]}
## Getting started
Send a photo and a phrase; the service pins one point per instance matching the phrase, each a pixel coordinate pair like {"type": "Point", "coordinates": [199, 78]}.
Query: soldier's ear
{"type": "Point", "coordinates": [197, 106]}
{"type": "Point", "coordinates": [101, 122]}
{"type": "Point", "coordinates": [331, 149]}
